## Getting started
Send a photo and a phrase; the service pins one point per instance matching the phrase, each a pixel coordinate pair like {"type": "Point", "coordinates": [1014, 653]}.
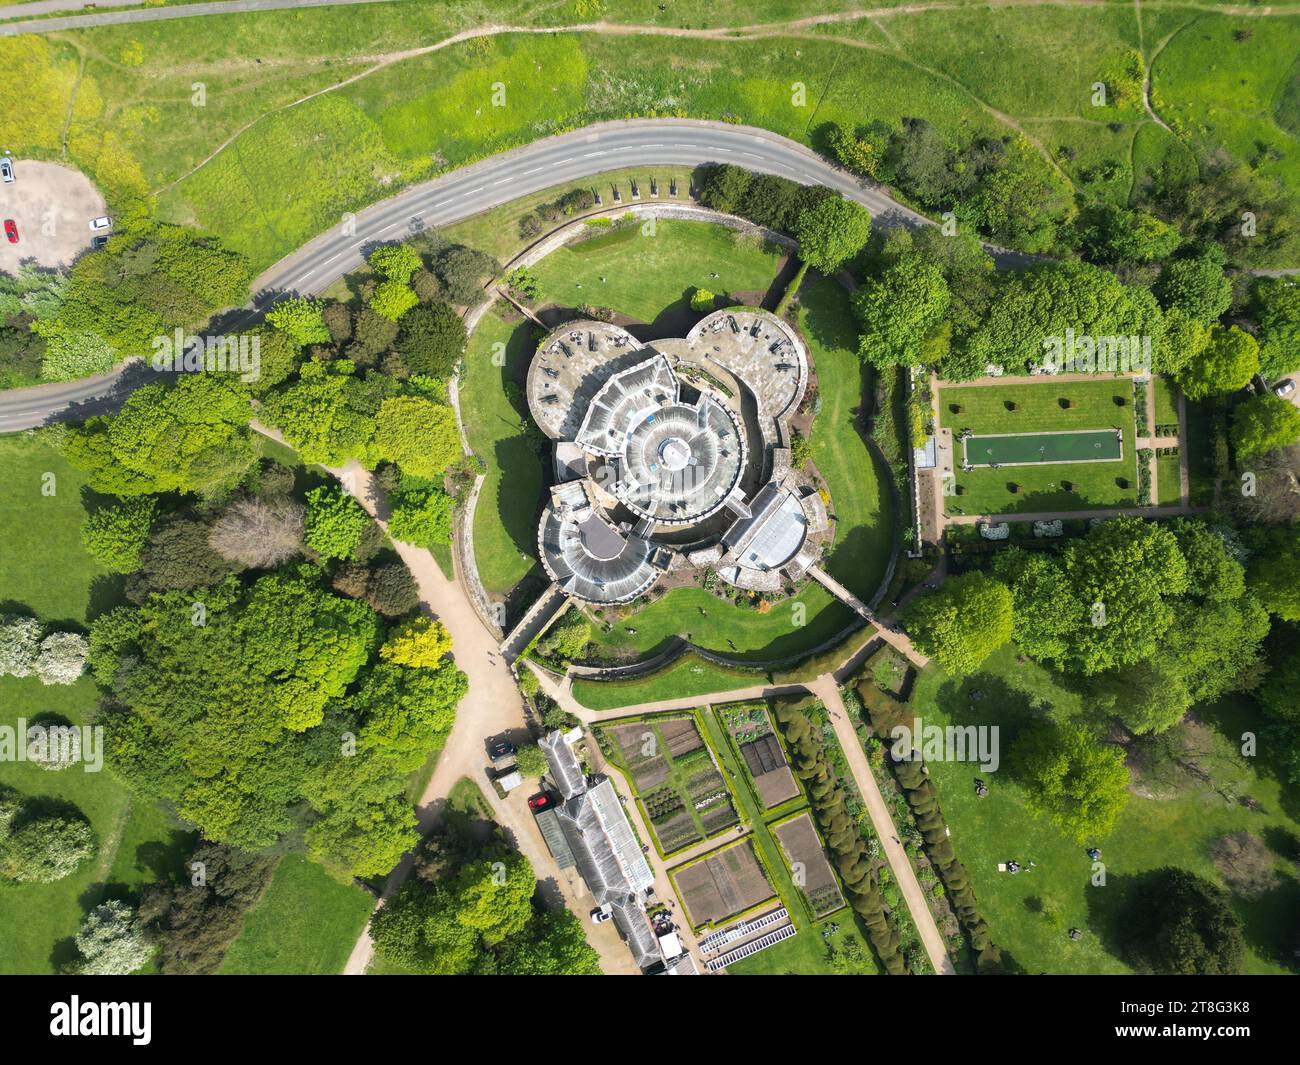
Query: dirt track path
{"type": "Point", "coordinates": [492, 706]}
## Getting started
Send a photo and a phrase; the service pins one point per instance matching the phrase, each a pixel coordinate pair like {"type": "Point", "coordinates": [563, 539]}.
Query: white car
{"type": "Point", "coordinates": [601, 914]}
{"type": "Point", "coordinates": [6, 169]}
{"type": "Point", "coordinates": [1284, 389]}
{"type": "Point", "coordinates": [98, 225]}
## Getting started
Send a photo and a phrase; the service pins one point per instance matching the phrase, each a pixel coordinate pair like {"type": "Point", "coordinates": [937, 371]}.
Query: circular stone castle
{"type": "Point", "coordinates": [674, 456]}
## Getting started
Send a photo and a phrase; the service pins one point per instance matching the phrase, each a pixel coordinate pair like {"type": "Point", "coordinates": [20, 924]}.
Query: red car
{"type": "Point", "coordinates": [540, 801]}
{"type": "Point", "coordinates": [11, 230]}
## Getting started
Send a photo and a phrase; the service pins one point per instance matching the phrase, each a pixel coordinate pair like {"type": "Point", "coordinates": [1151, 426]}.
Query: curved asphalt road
{"type": "Point", "coordinates": [475, 188]}
{"type": "Point", "coordinates": [34, 11]}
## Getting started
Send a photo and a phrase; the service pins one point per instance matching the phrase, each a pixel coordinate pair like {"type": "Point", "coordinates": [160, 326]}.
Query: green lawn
{"type": "Point", "coordinates": [806, 954]}
{"type": "Point", "coordinates": [859, 483]}
{"type": "Point", "coordinates": [43, 565]}
{"type": "Point", "coordinates": [1166, 400]}
{"type": "Point", "coordinates": [305, 925]}
{"type": "Point", "coordinates": [44, 569]}
{"type": "Point", "coordinates": [1232, 93]}
{"type": "Point", "coordinates": [1038, 409]}
{"type": "Point", "coordinates": [650, 270]}
{"type": "Point", "coordinates": [135, 843]}
{"type": "Point", "coordinates": [284, 173]}
{"type": "Point", "coordinates": [740, 632]}
{"type": "Point", "coordinates": [688, 676]}
{"type": "Point", "coordinates": [505, 519]}
{"type": "Point", "coordinates": [1029, 914]}
{"type": "Point", "coordinates": [1168, 480]}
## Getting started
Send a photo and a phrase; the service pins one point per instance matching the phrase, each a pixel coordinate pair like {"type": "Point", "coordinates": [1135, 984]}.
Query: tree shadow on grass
{"type": "Point", "coordinates": [1272, 923]}
{"type": "Point", "coordinates": [519, 488]}
{"type": "Point", "coordinates": [1110, 906]}
{"type": "Point", "coordinates": [987, 699]}
{"type": "Point", "coordinates": [1233, 718]}
{"type": "Point", "coordinates": [860, 559]}
{"type": "Point", "coordinates": [106, 591]}
{"type": "Point", "coordinates": [63, 954]}
{"type": "Point", "coordinates": [165, 859]}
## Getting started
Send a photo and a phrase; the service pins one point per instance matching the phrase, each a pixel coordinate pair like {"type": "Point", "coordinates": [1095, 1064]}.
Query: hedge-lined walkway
{"type": "Point", "coordinates": [828, 691]}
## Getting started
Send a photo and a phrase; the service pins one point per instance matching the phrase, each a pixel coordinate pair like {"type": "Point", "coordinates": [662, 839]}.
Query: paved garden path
{"type": "Point", "coordinates": [828, 691]}
{"type": "Point", "coordinates": [1053, 515]}
{"type": "Point", "coordinates": [898, 640]}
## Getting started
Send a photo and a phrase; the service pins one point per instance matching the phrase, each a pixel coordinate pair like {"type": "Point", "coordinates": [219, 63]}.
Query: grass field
{"type": "Point", "coordinates": [687, 677]}
{"type": "Point", "coordinates": [807, 953]}
{"type": "Point", "coordinates": [1222, 90]}
{"type": "Point", "coordinates": [1038, 408]}
{"type": "Point", "coordinates": [505, 518]}
{"type": "Point", "coordinates": [397, 107]}
{"type": "Point", "coordinates": [305, 925]}
{"type": "Point", "coordinates": [861, 502]}
{"type": "Point", "coordinates": [44, 569]}
{"type": "Point", "coordinates": [650, 269]}
{"type": "Point", "coordinates": [1169, 489]}
{"type": "Point", "coordinates": [497, 231]}
{"type": "Point", "coordinates": [43, 565]}
{"type": "Point", "coordinates": [1166, 404]}
{"type": "Point", "coordinates": [1029, 914]}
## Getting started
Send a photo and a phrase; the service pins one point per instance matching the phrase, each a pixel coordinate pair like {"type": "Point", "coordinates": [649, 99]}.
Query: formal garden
{"type": "Point", "coordinates": [1048, 470]}
{"type": "Point", "coordinates": [672, 773]}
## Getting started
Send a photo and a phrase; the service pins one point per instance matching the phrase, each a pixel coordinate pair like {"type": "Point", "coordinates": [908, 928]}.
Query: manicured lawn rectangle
{"type": "Point", "coordinates": [1093, 405]}
{"type": "Point", "coordinates": [305, 925]}
{"type": "Point", "coordinates": [1166, 400]}
{"type": "Point", "coordinates": [1169, 487]}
